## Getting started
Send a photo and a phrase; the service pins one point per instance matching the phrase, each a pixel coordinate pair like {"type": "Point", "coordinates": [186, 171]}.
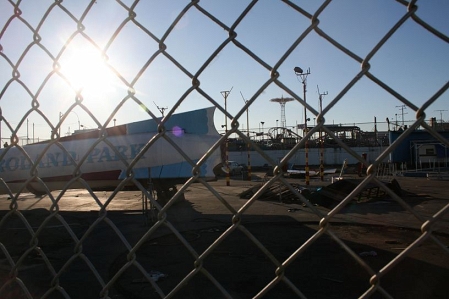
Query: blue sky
{"type": "Point", "coordinates": [413, 61]}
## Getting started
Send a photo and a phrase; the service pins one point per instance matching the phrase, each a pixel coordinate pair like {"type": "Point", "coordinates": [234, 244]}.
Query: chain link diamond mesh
{"type": "Point", "coordinates": [78, 233]}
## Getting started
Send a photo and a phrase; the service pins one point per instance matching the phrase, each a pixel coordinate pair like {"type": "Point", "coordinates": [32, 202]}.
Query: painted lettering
{"type": "Point", "coordinates": [24, 163]}
{"type": "Point", "coordinates": [105, 155]}
{"type": "Point", "coordinates": [66, 161]}
{"type": "Point", "coordinates": [12, 163]}
{"type": "Point", "coordinates": [122, 152]}
{"type": "Point", "coordinates": [62, 158]}
{"type": "Point", "coordinates": [41, 164]}
{"type": "Point", "coordinates": [92, 154]}
{"type": "Point", "coordinates": [135, 149]}
{"type": "Point", "coordinates": [52, 159]}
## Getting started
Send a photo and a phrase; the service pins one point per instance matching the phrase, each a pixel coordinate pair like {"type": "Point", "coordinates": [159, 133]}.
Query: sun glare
{"type": "Point", "coordinates": [87, 72]}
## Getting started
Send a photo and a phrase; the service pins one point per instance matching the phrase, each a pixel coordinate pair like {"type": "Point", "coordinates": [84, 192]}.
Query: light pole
{"type": "Point", "coordinates": [60, 117]}
{"type": "Point", "coordinates": [78, 118]}
{"type": "Point", "coordinates": [1, 118]}
{"type": "Point", "coordinates": [225, 95]}
{"type": "Point", "coordinates": [79, 124]}
{"type": "Point", "coordinates": [262, 122]}
{"type": "Point", "coordinates": [300, 73]}
{"type": "Point", "coordinates": [277, 128]}
{"type": "Point", "coordinates": [247, 134]}
{"type": "Point", "coordinates": [321, 136]}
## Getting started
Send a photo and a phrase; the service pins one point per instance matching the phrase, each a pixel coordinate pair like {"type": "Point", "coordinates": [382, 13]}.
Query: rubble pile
{"type": "Point", "coordinates": [327, 196]}
{"type": "Point", "coordinates": [277, 192]}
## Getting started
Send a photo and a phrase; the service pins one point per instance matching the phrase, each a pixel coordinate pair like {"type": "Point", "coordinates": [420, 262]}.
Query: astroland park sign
{"type": "Point", "coordinates": [55, 157]}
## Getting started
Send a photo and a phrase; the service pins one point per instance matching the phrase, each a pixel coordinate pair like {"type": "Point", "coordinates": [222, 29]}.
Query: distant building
{"type": "Point", "coordinates": [420, 149]}
{"type": "Point", "coordinates": [439, 126]}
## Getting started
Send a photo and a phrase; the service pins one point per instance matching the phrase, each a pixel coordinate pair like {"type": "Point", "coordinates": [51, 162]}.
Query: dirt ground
{"type": "Point", "coordinates": [375, 233]}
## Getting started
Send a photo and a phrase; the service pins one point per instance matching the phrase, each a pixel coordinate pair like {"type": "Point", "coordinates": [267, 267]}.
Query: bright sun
{"type": "Point", "coordinates": [87, 71]}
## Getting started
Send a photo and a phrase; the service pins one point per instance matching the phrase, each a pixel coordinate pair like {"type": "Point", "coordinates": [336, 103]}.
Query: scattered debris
{"type": "Point", "coordinates": [392, 242]}
{"type": "Point", "coordinates": [210, 230]}
{"type": "Point", "coordinates": [276, 192]}
{"type": "Point", "coordinates": [368, 253]}
{"type": "Point", "coordinates": [326, 196]}
{"type": "Point", "coordinates": [332, 279]}
{"type": "Point", "coordinates": [154, 275]}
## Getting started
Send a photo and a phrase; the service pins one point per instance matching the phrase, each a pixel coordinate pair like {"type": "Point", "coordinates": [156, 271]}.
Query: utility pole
{"type": "Point", "coordinates": [441, 117]}
{"type": "Point", "coordinates": [396, 122]}
{"type": "Point", "coordinates": [321, 135]}
{"type": "Point", "coordinates": [402, 112]}
{"type": "Point", "coordinates": [59, 129]}
{"type": "Point", "coordinates": [247, 134]}
{"type": "Point", "coordinates": [1, 118]}
{"type": "Point", "coordinates": [225, 95]}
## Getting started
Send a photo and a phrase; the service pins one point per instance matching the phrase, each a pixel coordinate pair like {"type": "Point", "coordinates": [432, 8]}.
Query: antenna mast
{"type": "Point", "coordinates": [321, 98]}
{"type": "Point", "coordinates": [402, 110]}
{"type": "Point", "coordinates": [441, 116]}
{"type": "Point", "coordinates": [161, 109]}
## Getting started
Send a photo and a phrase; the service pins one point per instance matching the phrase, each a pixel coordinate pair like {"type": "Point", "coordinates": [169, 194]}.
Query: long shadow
{"type": "Point", "coordinates": [323, 270]}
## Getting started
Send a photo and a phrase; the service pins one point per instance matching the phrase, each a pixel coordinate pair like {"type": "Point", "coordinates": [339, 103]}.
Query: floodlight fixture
{"type": "Point", "coordinates": [298, 70]}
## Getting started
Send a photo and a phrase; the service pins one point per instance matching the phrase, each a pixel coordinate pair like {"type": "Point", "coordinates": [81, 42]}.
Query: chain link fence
{"type": "Point", "coordinates": [83, 270]}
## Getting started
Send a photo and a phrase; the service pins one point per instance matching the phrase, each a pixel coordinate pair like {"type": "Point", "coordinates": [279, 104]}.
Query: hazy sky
{"type": "Point", "coordinates": [414, 62]}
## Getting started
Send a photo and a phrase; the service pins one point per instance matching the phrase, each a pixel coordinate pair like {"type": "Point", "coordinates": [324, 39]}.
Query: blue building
{"type": "Point", "coordinates": [420, 149]}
